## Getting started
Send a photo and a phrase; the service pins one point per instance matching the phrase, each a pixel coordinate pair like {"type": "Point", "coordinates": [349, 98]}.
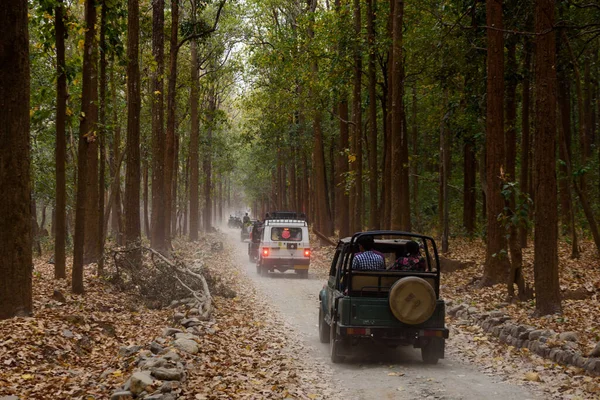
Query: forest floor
{"type": "Point", "coordinates": [69, 349]}
{"type": "Point", "coordinates": [264, 343]}
{"type": "Point", "coordinates": [578, 278]}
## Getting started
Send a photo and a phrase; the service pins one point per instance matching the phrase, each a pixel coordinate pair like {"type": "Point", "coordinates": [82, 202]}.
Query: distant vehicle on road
{"type": "Point", "coordinates": [284, 244]}
{"type": "Point", "coordinates": [389, 294]}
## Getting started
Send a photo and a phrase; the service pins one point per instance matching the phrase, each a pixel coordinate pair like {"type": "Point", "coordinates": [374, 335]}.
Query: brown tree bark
{"type": "Point", "coordinates": [87, 129]}
{"type": "Point", "coordinates": [194, 144]}
{"type": "Point", "coordinates": [102, 137]}
{"type": "Point", "coordinates": [60, 225]}
{"type": "Point", "coordinates": [15, 215]}
{"type": "Point", "coordinates": [469, 189]}
{"type": "Point", "coordinates": [414, 167]}
{"type": "Point", "coordinates": [564, 154]}
{"type": "Point", "coordinates": [356, 194]}
{"type": "Point", "coordinates": [545, 265]}
{"type": "Point", "coordinates": [373, 167]}
{"type": "Point", "coordinates": [400, 193]}
{"type": "Point", "coordinates": [132, 177]}
{"type": "Point", "coordinates": [525, 135]}
{"type": "Point", "coordinates": [324, 222]}
{"type": "Point", "coordinates": [170, 160]}
{"type": "Point", "coordinates": [207, 162]}
{"type": "Point", "coordinates": [445, 157]}
{"type": "Point", "coordinates": [342, 199]}
{"type": "Point", "coordinates": [145, 199]}
{"type": "Point", "coordinates": [159, 187]}
{"type": "Point", "coordinates": [497, 264]}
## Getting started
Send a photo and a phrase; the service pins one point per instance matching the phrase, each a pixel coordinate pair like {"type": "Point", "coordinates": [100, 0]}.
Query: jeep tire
{"type": "Point", "coordinates": [412, 300]}
{"type": "Point", "coordinates": [323, 327]}
{"type": "Point", "coordinates": [432, 350]}
{"type": "Point", "coordinates": [334, 345]}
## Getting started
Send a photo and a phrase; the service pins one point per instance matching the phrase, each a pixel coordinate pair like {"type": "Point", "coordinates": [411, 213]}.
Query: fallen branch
{"type": "Point", "coordinates": [324, 238]}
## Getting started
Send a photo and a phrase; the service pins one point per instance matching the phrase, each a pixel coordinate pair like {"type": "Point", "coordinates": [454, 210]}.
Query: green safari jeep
{"type": "Point", "coordinates": [398, 305]}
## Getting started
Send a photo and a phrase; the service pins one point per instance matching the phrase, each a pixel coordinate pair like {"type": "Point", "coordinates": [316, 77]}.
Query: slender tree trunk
{"type": "Point", "coordinates": [170, 160]}
{"type": "Point", "coordinates": [497, 264]}
{"type": "Point", "coordinates": [207, 162]}
{"type": "Point", "coordinates": [342, 212]}
{"type": "Point", "coordinates": [545, 265]}
{"type": "Point", "coordinates": [400, 207]}
{"type": "Point", "coordinates": [469, 190]}
{"type": "Point", "coordinates": [147, 227]}
{"type": "Point", "coordinates": [15, 215]}
{"type": "Point", "coordinates": [87, 127]}
{"type": "Point", "coordinates": [102, 140]}
{"type": "Point", "coordinates": [194, 144]}
{"type": "Point", "coordinates": [415, 154]}
{"type": "Point", "coordinates": [324, 222]}
{"type": "Point", "coordinates": [444, 176]}
{"type": "Point", "coordinates": [373, 167]}
{"type": "Point", "coordinates": [564, 154]}
{"type": "Point", "coordinates": [132, 177]}
{"type": "Point", "coordinates": [159, 187]}
{"type": "Point", "coordinates": [357, 193]}
{"type": "Point", "coordinates": [61, 146]}
{"type": "Point", "coordinates": [525, 126]}
{"type": "Point", "coordinates": [516, 255]}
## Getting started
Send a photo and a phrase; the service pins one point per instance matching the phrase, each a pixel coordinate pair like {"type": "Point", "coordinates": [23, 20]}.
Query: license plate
{"type": "Point", "coordinates": [292, 246]}
{"type": "Point", "coordinates": [300, 266]}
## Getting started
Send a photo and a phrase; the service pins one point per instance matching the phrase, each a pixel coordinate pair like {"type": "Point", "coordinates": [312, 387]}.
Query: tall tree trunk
{"type": "Point", "coordinates": [147, 227]}
{"type": "Point", "coordinates": [514, 243]}
{"type": "Point", "coordinates": [170, 160]}
{"type": "Point", "coordinates": [159, 186]}
{"type": "Point", "coordinates": [87, 127]}
{"type": "Point", "coordinates": [545, 264]}
{"type": "Point", "coordinates": [497, 264]}
{"type": "Point", "coordinates": [444, 176]}
{"type": "Point", "coordinates": [61, 146]}
{"type": "Point", "coordinates": [525, 138]}
{"type": "Point", "coordinates": [469, 189]}
{"type": "Point", "coordinates": [15, 215]}
{"type": "Point", "coordinates": [324, 222]}
{"type": "Point", "coordinates": [102, 140]}
{"type": "Point", "coordinates": [400, 193]}
{"type": "Point", "coordinates": [132, 177]}
{"type": "Point", "coordinates": [564, 154]}
{"type": "Point", "coordinates": [415, 154]}
{"type": "Point", "coordinates": [357, 166]}
{"type": "Point", "coordinates": [194, 144]}
{"type": "Point", "coordinates": [342, 212]}
{"type": "Point", "coordinates": [207, 162]}
{"type": "Point", "coordinates": [373, 167]}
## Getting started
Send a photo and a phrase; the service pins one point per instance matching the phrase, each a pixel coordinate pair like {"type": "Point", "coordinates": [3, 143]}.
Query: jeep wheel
{"type": "Point", "coordinates": [264, 271]}
{"type": "Point", "coordinates": [412, 300]}
{"type": "Point", "coordinates": [432, 351]}
{"type": "Point", "coordinates": [334, 345]}
{"type": "Point", "coordinates": [258, 268]}
{"type": "Point", "coordinates": [323, 327]}
{"type": "Point", "coordinates": [302, 273]}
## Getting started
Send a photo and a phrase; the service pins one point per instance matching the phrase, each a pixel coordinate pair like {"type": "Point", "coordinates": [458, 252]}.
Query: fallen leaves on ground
{"type": "Point", "coordinates": [70, 350]}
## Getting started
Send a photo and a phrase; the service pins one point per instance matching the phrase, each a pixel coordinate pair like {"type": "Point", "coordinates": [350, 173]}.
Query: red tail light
{"type": "Point", "coordinates": [265, 252]}
{"type": "Point", "coordinates": [306, 252]}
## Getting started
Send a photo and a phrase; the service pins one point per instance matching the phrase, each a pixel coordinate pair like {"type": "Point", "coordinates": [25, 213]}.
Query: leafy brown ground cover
{"type": "Point", "coordinates": [70, 350]}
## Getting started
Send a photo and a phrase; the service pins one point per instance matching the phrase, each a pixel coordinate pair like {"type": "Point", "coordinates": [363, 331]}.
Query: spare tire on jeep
{"type": "Point", "coordinates": [412, 300]}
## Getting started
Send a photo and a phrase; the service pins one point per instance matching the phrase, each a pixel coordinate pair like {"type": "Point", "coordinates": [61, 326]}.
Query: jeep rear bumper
{"type": "Point", "coordinates": [400, 335]}
{"type": "Point", "coordinates": [283, 264]}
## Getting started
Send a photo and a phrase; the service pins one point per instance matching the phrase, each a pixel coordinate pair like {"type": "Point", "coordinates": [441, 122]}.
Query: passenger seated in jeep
{"type": "Point", "coordinates": [368, 259]}
{"type": "Point", "coordinates": [411, 261]}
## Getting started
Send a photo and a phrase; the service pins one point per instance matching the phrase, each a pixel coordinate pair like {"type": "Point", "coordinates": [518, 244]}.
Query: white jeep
{"type": "Point", "coordinates": [285, 245]}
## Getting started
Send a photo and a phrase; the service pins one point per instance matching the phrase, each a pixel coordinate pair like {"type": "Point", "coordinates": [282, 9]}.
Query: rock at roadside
{"type": "Point", "coordinates": [189, 322]}
{"type": "Point", "coordinates": [140, 382]}
{"type": "Point", "coordinates": [569, 336]}
{"type": "Point", "coordinates": [178, 317]}
{"type": "Point", "coordinates": [122, 395]}
{"type": "Point", "coordinates": [187, 345]}
{"type": "Point", "coordinates": [171, 331]}
{"type": "Point", "coordinates": [596, 351]}
{"type": "Point", "coordinates": [127, 351]}
{"type": "Point", "coordinates": [167, 374]}
{"type": "Point", "coordinates": [155, 348]}
{"type": "Point", "coordinates": [171, 356]}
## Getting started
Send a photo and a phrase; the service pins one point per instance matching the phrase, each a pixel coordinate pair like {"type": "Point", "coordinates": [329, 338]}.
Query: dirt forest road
{"type": "Point", "coordinates": [375, 372]}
